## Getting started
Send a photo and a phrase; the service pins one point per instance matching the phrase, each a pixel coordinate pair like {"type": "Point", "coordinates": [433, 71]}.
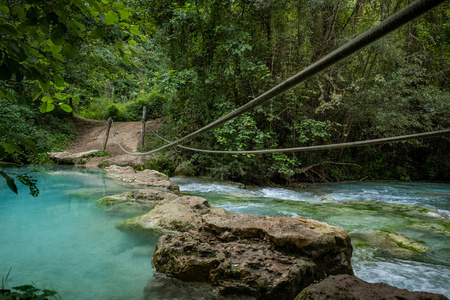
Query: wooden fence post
{"type": "Point", "coordinates": [108, 128]}
{"type": "Point", "coordinates": [71, 105]}
{"type": "Point", "coordinates": [144, 117]}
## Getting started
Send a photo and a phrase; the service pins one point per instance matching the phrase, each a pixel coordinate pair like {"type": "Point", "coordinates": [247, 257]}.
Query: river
{"type": "Point", "coordinates": [63, 240]}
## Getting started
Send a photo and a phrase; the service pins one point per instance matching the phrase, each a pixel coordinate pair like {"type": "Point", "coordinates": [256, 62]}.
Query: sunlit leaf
{"type": "Point", "coordinates": [66, 107]}
{"type": "Point", "coordinates": [111, 18]}
{"type": "Point", "coordinates": [135, 30]}
{"type": "Point", "coordinates": [124, 14]}
{"type": "Point", "coordinates": [47, 98]}
{"type": "Point", "coordinates": [46, 107]}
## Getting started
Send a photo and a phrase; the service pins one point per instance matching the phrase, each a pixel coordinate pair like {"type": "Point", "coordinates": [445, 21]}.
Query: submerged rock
{"type": "Point", "coordinates": [346, 287]}
{"type": "Point", "coordinates": [266, 258]}
{"type": "Point", "coordinates": [392, 243]}
{"type": "Point", "coordinates": [146, 177]}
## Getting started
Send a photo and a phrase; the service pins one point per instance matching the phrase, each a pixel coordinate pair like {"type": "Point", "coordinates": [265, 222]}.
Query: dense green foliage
{"type": "Point", "coordinates": [44, 45]}
{"type": "Point", "coordinates": [203, 58]}
{"type": "Point", "coordinates": [224, 53]}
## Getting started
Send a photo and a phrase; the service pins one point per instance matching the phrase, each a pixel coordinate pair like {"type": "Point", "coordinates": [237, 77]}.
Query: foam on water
{"type": "Point", "coordinates": [410, 275]}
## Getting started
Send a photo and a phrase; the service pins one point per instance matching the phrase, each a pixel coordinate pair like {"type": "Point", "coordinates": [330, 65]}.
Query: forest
{"type": "Point", "coordinates": [191, 62]}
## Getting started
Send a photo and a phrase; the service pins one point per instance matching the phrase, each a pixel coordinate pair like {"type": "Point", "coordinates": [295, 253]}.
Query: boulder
{"type": "Point", "coordinates": [181, 214]}
{"type": "Point", "coordinates": [146, 177]}
{"type": "Point", "coordinates": [346, 287]}
{"type": "Point", "coordinates": [262, 257]}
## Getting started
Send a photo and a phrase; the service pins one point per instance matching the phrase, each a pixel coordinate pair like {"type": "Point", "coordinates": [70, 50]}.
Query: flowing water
{"type": "Point", "coordinates": [368, 211]}
{"type": "Point", "coordinates": [63, 240]}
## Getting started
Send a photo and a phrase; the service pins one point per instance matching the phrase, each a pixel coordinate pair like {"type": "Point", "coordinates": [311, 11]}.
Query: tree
{"type": "Point", "coordinates": [39, 40]}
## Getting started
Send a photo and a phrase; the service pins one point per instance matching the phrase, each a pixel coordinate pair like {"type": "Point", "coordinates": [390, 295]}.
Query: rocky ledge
{"type": "Point", "coordinates": [148, 178]}
{"type": "Point", "coordinates": [263, 257]}
{"type": "Point", "coordinates": [346, 287]}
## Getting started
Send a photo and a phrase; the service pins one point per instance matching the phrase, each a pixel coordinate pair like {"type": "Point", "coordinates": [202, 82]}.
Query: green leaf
{"type": "Point", "coordinates": [135, 29]}
{"type": "Point", "coordinates": [131, 42]}
{"type": "Point", "coordinates": [10, 148]}
{"type": "Point", "coordinates": [4, 9]}
{"type": "Point", "coordinates": [118, 5]}
{"type": "Point", "coordinates": [111, 18]}
{"type": "Point", "coordinates": [66, 107]}
{"type": "Point", "coordinates": [70, 51]}
{"type": "Point", "coordinates": [124, 14]}
{"type": "Point", "coordinates": [126, 60]}
{"type": "Point", "coordinates": [44, 83]}
{"type": "Point", "coordinates": [47, 98]}
{"type": "Point", "coordinates": [46, 107]}
{"type": "Point", "coordinates": [74, 24]}
{"type": "Point", "coordinates": [58, 34]}
{"type": "Point", "coordinates": [55, 49]}
{"type": "Point", "coordinates": [10, 96]}
{"type": "Point", "coordinates": [9, 181]}
{"type": "Point", "coordinates": [101, 16]}
{"type": "Point", "coordinates": [59, 80]}
{"type": "Point", "coordinates": [37, 96]}
{"type": "Point", "coordinates": [8, 29]}
{"type": "Point", "coordinates": [98, 32]}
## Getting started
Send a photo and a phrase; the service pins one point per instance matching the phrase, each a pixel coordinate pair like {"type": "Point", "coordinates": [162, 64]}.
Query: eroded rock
{"type": "Point", "coordinates": [67, 158]}
{"type": "Point", "coordinates": [148, 197]}
{"type": "Point", "coordinates": [346, 287]}
{"type": "Point", "coordinates": [146, 177]}
{"type": "Point", "coordinates": [181, 214]}
{"type": "Point", "coordinates": [267, 258]}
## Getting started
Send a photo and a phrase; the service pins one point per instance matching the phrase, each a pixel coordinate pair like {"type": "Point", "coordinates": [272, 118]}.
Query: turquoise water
{"type": "Point", "coordinates": [63, 240]}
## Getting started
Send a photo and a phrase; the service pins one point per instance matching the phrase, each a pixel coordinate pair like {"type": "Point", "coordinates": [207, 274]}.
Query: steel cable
{"type": "Point", "coordinates": [386, 26]}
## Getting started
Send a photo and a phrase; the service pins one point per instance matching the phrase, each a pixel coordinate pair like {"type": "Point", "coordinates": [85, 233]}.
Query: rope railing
{"type": "Point", "coordinates": [302, 149]}
{"type": "Point", "coordinates": [388, 25]}
{"type": "Point", "coordinates": [321, 147]}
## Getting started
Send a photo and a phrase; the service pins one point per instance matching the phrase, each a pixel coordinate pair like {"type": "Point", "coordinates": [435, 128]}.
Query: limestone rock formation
{"type": "Point", "coordinates": [346, 287]}
{"type": "Point", "coordinates": [67, 158]}
{"type": "Point", "coordinates": [146, 177]}
{"type": "Point", "coordinates": [148, 197]}
{"type": "Point", "coordinates": [181, 214]}
{"type": "Point", "coordinates": [267, 258]}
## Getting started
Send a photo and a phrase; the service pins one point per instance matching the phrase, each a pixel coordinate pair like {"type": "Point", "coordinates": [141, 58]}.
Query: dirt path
{"type": "Point", "coordinates": [91, 136]}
